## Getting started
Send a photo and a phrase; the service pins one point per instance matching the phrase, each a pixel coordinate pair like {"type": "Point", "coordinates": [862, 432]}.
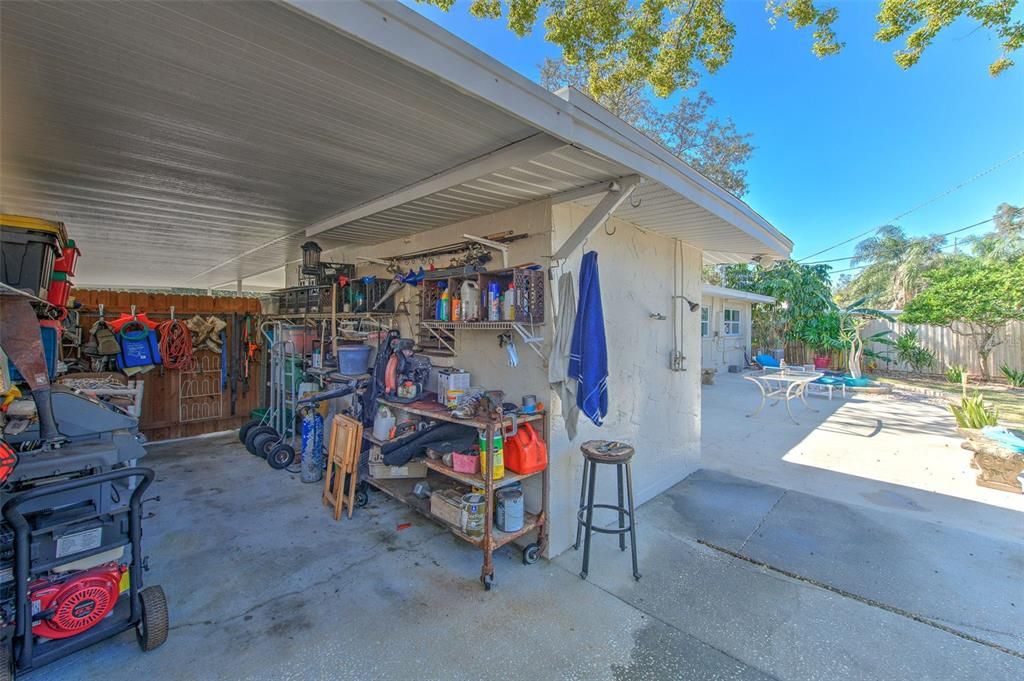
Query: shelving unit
{"type": "Point", "coordinates": [441, 330]}
{"type": "Point", "coordinates": [492, 538]}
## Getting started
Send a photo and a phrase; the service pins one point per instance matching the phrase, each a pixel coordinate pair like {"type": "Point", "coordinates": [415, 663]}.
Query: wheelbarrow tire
{"type": "Point", "coordinates": [244, 430]}
{"type": "Point", "coordinates": [263, 443]}
{"type": "Point", "coordinates": [6, 662]}
{"type": "Point", "coordinates": [152, 629]}
{"type": "Point", "coordinates": [250, 438]}
{"type": "Point", "coordinates": [281, 456]}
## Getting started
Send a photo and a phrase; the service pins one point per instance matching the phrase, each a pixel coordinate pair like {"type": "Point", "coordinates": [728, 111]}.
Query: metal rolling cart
{"type": "Point", "coordinates": [492, 538]}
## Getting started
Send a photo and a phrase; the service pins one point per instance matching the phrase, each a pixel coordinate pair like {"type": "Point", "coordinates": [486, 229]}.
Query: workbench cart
{"type": "Point", "coordinates": [493, 538]}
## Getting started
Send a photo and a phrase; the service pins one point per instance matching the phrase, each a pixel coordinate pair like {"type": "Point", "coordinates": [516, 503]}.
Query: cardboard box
{"type": "Point", "coordinates": [446, 504]}
{"type": "Point", "coordinates": [451, 384]}
{"type": "Point", "coordinates": [413, 469]}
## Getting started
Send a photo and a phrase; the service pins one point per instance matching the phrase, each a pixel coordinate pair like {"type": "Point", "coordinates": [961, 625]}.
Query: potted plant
{"type": "Point", "coordinates": [999, 465]}
{"type": "Point", "coordinates": [822, 335]}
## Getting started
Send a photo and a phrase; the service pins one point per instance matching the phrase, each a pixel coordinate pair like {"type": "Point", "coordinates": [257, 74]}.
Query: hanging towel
{"type": "Point", "coordinates": [588, 358]}
{"type": "Point", "coordinates": [558, 362]}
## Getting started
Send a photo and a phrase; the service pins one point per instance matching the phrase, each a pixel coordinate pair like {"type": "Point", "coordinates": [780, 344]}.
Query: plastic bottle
{"type": "Point", "coordinates": [470, 301]}
{"type": "Point", "coordinates": [509, 304]}
{"type": "Point", "coordinates": [494, 302]}
{"type": "Point", "coordinates": [445, 306]}
{"type": "Point", "coordinates": [456, 309]}
{"type": "Point", "coordinates": [498, 444]}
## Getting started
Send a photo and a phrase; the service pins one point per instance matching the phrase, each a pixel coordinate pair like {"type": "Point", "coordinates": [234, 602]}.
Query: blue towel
{"type": "Point", "coordinates": [588, 354]}
{"type": "Point", "coordinates": [767, 361]}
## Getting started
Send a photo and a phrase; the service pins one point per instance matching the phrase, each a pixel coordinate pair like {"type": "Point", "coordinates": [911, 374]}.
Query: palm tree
{"type": "Point", "coordinates": [895, 265]}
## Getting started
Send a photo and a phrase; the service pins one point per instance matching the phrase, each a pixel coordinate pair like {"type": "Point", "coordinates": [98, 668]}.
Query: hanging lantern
{"type": "Point", "coordinates": [311, 258]}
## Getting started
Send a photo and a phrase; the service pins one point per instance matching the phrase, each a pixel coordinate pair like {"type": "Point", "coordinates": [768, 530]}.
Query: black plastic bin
{"type": "Point", "coordinates": [28, 248]}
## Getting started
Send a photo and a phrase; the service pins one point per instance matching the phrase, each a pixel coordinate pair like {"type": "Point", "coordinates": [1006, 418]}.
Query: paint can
{"type": "Point", "coordinates": [473, 510]}
{"type": "Point", "coordinates": [508, 515]}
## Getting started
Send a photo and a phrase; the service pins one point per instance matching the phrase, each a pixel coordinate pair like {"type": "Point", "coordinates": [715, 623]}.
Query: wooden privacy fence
{"type": "Point", "coordinates": [176, 404]}
{"type": "Point", "coordinates": [951, 349]}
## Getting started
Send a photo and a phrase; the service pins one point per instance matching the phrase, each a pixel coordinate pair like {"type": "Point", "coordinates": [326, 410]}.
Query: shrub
{"type": "Point", "coordinates": [972, 413]}
{"type": "Point", "coordinates": [955, 373]}
{"type": "Point", "coordinates": [1016, 378]}
{"type": "Point", "coordinates": [910, 352]}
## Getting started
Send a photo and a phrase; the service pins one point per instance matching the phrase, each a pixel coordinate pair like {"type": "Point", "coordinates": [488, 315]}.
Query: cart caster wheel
{"type": "Point", "coordinates": [281, 456]}
{"type": "Point", "coordinates": [253, 433]}
{"type": "Point", "coordinates": [244, 430]}
{"type": "Point", "coordinates": [151, 631]}
{"type": "Point", "coordinates": [362, 498]}
{"type": "Point", "coordinates": [488, 581]}
{"type": "Point", "coordinates": [531, 554]}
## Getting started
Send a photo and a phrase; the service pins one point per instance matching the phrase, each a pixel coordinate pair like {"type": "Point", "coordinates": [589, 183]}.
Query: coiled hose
{"type": "Point", "coordinates": [176, 345]}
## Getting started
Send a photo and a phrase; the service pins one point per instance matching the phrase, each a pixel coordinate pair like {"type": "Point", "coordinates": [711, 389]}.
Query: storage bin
{"type": "Point", "coordinates": [50, 332]}
{"type": "Point", "coordinates": [59, 289]}
{"type": "Point", "coordinates": [28, 249]}
{"type": "Point", "coordinates": [466, 463]}
{"type": "Point", "coordinates": [68, 260]}
{"type": "Point", "coordinates": [353, 360]}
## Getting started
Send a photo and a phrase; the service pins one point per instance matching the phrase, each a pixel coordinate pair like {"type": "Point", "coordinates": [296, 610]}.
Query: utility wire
{"type": "Point", "coordinates": [920, 205]}
{"type": "Point", "coordinates": [944, 234]}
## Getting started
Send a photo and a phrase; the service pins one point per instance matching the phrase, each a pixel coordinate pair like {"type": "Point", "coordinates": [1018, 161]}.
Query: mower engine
{"type": "Point", "coordinates": [70, 604]}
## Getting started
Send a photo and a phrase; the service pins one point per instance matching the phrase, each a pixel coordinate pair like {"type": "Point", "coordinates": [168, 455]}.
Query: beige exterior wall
{"type": "Point", "coordinates": [718, 350]}
{"type": "Point", "coordinates": [650, 406]}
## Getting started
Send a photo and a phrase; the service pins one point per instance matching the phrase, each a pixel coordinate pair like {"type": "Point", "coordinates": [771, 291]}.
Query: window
{"type": "Point", "coordinates": [731, 322]}
{"type": "Point", "coordinates": [705, 321]}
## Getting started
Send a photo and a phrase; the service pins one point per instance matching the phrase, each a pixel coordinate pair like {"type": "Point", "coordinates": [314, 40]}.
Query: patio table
{"type": "Point", "coordinates": [783, 384]}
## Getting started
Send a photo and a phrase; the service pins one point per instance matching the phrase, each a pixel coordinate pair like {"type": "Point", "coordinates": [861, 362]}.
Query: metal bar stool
{"type": "Point", "coordinates": [620, 455]}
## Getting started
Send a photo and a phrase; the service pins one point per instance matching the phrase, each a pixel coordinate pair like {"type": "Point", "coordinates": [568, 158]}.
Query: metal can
{"type": "Point", "coordinates": [508, 513]}
{"type": "Point", "coordinates": [473, 506]}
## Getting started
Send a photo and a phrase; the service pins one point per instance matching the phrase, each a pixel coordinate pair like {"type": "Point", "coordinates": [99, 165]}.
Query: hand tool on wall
{"type": "Point", "coordinates": [233, 357]}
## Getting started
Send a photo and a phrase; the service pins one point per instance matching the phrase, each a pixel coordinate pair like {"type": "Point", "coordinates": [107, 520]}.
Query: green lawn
{"type": "Point", "coordinates": [1009, 403]}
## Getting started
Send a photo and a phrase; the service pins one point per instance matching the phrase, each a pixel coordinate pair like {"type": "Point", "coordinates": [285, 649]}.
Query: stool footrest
{"type": "Point", "coordinates": [581, 517]}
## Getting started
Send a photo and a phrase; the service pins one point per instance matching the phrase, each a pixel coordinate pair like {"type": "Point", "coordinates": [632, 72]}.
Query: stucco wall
{"type": "Point", "coordinates": [718, 350]}
{"type": "Point", "coordinates": [655, 409]}
{"type": "Point", "coordinates": [651, 407]}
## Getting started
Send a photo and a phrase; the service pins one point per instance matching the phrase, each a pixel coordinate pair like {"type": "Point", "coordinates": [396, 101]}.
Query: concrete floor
{"type": "Point", "coordinates": [899, 453]}
{"type": "Point", "coordinates": [263, 584]}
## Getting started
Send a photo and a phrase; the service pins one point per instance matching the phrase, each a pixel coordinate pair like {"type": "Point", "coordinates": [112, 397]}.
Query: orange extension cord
{"type": "Point", "coordinates": [176, 345]}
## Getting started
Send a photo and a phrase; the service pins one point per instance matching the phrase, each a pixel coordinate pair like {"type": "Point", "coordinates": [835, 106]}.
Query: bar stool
{"type": "Point", "coordinates": [620, 455]}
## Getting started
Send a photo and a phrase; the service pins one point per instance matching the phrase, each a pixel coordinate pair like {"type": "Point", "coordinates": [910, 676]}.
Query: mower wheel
{"type": "Point", "coordinates": [281, 456]}
{"type": "Point", "coordinates": [151, 631]}
{"type": "Point", "coordinates": [251, 436]}
{"type": "Point", "coordinates": [244, 430]}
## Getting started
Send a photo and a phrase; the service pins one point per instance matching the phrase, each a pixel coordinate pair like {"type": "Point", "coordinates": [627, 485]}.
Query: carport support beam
{"type": "Point", "coordinates": [617, 192]}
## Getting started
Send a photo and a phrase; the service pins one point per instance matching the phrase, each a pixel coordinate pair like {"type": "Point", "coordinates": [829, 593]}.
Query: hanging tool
{"type": "Point", "coordinates": [233, 357]}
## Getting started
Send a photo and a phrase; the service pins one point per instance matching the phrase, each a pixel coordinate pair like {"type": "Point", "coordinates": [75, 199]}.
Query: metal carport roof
{"type": "Point", "coordinates": [191, 144]}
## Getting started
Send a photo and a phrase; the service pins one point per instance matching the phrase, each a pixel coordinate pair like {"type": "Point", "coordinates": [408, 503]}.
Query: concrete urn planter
{"type": "Point", "coordinates": [998, 467]}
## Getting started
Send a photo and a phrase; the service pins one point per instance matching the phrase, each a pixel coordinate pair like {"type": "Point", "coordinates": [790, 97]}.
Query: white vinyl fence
{"type": "Point", "coordinates": [950, 348]}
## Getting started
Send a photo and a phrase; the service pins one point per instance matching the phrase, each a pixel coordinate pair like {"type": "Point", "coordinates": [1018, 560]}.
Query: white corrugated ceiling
{"type": "Point", "coordinates": [193, 144]}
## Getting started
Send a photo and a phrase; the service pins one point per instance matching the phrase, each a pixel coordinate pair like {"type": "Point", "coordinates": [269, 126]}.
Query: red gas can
{"type": "Point", "coordinates": [69, 257]}
{"type": "Point", "coordinates": [60, 289]}
{"type": "Point", "coordinates": [526, 452]}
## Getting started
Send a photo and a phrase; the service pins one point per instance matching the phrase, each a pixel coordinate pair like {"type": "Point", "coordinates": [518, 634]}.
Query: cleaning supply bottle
{"type": "Point", "coordinates": [445, 305]}
{"type": "Point", "coordinates": [493, 302]}
{"type": "Point", "coordinates": [509, 304]}
{"type": "Point", "coordinates": [470, 301]}
{"type": "Point", "coordinates": [456, 309]}
{"type": "Point", "coordinates": [498, 444]}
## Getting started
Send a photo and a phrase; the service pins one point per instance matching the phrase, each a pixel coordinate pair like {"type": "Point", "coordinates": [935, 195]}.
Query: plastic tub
{"type": "Point", "coordinates": [28, 248]}
{"type": "Point", "coordinates": [50, 333]}
{"type": "Point", "coordinates": [59, 290]}
{"type": "Point", "coordinates": [353, 359]}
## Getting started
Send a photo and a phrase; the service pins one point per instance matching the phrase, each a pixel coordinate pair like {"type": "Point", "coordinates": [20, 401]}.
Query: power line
{"type": "Point", "coordinates": [943, 235]}
{"type": "Point", "coordinates": [921, 205]}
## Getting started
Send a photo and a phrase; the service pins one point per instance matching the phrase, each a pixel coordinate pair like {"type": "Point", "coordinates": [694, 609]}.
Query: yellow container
{"type": "Point", "coordinates": [498, 444]}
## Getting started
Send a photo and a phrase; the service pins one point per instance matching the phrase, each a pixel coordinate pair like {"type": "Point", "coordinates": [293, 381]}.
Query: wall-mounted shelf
{"type": "Point", "coordinates": [442, 331]}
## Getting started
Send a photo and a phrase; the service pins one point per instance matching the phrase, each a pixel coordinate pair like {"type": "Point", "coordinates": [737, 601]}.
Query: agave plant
{"type": "Point", "coordinates": [955, 373]}
{"type": "Point", "coordinates": [972, 412]}
{"type": "Point", "coordinates": [1014, 376]}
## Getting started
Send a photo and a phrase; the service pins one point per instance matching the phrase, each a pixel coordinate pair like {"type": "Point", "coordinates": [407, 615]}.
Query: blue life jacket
{"type": "Point", "coordinates": [139, 346]}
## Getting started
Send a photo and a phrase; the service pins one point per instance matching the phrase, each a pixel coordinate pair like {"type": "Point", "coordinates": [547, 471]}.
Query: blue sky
{"type": "Point", "coordinates": [846, 143]}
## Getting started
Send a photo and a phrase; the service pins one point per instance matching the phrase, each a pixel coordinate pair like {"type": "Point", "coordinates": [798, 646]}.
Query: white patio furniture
{"type": "Point", "coordinates": [785, 383]}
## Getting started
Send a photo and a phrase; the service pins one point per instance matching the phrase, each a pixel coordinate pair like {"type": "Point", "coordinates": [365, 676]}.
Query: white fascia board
{"type": "Point", "coordinates": [405, 34]}
{"type": "Point", "coordinates": [735, 294]}
{"type": "Point", "coordinates": [510, 155]}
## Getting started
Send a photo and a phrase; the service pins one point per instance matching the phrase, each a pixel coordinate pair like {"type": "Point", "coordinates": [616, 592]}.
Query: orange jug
{"type": "Point", "coordinates": [526, 452]}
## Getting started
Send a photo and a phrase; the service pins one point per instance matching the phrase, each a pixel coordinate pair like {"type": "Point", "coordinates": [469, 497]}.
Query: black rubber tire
{"type": "Point", "coordinates": [251, 436]}
{"type": "Point", "coordinates": [362, 498]}
{"type": "Point", "coordinates": [152, 631]}
{"type": "Point", "coordinates": [6, 662]}
{"type": "Point", "coordinates": [488, 582]}
{"type": "Point", "coordinates": [281, 456]}
{"type": "Point", "coordinates": [244, 430]}
{"type": "Point", "coordinates": [531, 554]}
{"type": "Point", "coordinates": [263, 443]}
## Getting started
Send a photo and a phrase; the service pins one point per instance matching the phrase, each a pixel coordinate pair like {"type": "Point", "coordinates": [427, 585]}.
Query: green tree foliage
{"type": "Point", "coordinates": [668, 44]}
{"type": "Point", "coordinates": [896, 264]}
{"type": "Point", "coordinates": [974, 297]}
{"type": "Point", "coordinates": [712, 146]}
{"type": "Point", "coordinates": [1006, 242]}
